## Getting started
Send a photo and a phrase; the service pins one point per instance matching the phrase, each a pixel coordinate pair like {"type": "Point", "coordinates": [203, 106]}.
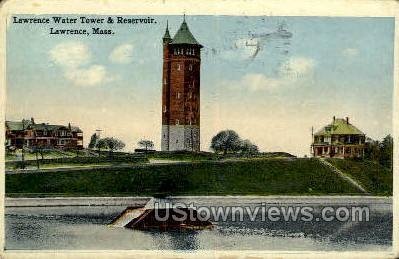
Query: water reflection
{"type": "Point", "coordinates": [86, 228]}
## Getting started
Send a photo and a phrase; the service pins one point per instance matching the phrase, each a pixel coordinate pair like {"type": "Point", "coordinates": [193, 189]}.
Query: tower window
{"type": "Point", "coordinates": [190, 67]}
{"type": "Point", "coordinates": [164, 108]}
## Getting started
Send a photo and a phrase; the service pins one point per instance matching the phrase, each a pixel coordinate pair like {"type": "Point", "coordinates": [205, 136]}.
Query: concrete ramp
{"type": "Point", "coordinates": [132, 213]}
{"type": "Point", "coordinates": [127, 216]}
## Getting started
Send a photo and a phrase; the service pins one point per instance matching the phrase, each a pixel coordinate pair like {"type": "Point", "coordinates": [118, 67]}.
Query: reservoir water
{"type": "Point", "coordinates": [86, 227]}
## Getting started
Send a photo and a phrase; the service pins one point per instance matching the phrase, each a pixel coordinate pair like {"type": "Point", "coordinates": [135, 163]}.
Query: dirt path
{"type": "Point", "coordinates": [343, 175]}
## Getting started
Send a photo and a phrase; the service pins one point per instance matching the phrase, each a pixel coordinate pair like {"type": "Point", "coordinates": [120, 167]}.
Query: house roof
{"type": "Point", "coordinates": [339, 127]}
{"type": "Point", "coordinates": [184, 36]}
{"type": "Point", "coordinates": [25, 124]}
{"type": "Point", "coordinates": [18, 125]}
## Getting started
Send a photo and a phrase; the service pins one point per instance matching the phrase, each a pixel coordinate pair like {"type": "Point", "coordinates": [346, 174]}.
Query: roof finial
{"type": "Point", "coordinates": [184, 17]}
{"type": "Point", "coordinates": [167, 25]}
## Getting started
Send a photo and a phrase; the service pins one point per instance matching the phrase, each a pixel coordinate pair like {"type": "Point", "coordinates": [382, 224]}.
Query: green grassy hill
{"type": "Point", "coordinates": [375, 178]}
{"type": "Point", "coordinates": [302, 176]}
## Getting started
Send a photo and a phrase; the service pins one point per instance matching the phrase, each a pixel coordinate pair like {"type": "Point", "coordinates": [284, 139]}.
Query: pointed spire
{"type": "Point", "coordinates": [166, 36]}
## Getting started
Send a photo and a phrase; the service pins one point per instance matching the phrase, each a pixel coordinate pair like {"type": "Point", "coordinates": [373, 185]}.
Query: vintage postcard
{"type": "Point", "coordinates": [167, 128]}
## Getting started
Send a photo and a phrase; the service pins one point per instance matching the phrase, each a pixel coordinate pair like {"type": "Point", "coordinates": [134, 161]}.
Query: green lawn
{"type": "Point", "coordinates": [249, 177]}
{"type": "Point", "coordinates": [374, 177]}
{"type": "Point", "coordinates": [12, 156]}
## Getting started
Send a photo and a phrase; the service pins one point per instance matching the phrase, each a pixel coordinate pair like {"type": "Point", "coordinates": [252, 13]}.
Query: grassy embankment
{"type": "Point", "coordinates": [273, 176]}
{"type": "Point", "coordinates": [377, 179]}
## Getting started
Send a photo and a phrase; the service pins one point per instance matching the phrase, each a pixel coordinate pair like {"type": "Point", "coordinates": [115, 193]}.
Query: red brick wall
{"type": "Point", "coordinates": [181, 86]}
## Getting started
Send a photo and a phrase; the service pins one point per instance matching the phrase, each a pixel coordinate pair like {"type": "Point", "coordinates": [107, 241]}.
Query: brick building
{"type": "Point", "coordinates": [339, 139]}
{"type": "Point", "coordinates": [181, 91]}
{"type": "Point", "coordinates": [28, 134]}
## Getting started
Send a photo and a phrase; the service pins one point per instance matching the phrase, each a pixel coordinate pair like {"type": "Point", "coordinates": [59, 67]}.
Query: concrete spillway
{"type": "Point", "coordinates": [148, 217]}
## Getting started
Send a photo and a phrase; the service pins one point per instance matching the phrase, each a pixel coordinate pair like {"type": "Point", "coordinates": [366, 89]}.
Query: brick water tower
{"type": "Point", "coordinates": [181, 91]}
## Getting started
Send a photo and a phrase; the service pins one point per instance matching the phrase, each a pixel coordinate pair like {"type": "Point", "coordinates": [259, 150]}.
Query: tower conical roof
{"type": "Point", "coordinates": [184, 36]}
{"type": "Point", "coordinates": [167, 35]}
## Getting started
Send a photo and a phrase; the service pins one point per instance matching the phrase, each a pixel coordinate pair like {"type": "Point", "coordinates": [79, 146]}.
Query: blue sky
{"type": "Point", "coordinates": [268, 88]}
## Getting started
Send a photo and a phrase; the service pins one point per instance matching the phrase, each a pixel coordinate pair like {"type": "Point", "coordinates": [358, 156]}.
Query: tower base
{"type": "Point", "coordinates": [180, 137]}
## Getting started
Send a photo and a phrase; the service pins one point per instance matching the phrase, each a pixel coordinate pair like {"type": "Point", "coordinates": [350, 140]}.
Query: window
{"type": "Point", "coordinates": [164, 108]}
{"type": "Point", "coordinates": [178, 66]}
{"type": "Point", "coordinates": [164, 81]}
{"type": "Point", "coordinates": [190, 95]}
{"type": "Point", "coordinates": [190, 67]}
{"type": "Point", "coordinates": [177, 122]}
{"type": "Point", "coordinates": [178, 95]}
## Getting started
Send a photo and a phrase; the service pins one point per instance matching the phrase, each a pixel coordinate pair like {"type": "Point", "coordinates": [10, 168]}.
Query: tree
{"type": "Point", "coordinates": [247, 147]}
{"type": "Point", "coordinates": [372, 150]}
{"type": "Point", "coordinates": [226, 141]}
{"type": "Point", "coordinates": [386, 151]}
{"type": "Point", "coordinates": [380, 152]}
{"type": "Point", "coordinates": [111, 144]}
{"type": "Point", "coordinates": [101, 144]}
{"type": "Point", "coordinates": [93, 141]}
{"type": "Point", "coordinates": [146, 144]}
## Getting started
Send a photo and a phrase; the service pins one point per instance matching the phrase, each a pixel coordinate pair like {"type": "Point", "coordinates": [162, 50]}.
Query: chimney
{"type": "Point", "coordinates": [347, 120]}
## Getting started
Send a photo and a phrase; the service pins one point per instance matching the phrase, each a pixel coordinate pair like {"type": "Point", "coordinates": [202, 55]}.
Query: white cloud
{"type": "Point", "coordinates": [90, 76]}
{"type": "Point", "coordinates": [292, 73]}
{"type": "Point", "coordinates": [350, 52]}
{"type": "Point", "coordinates": [257, 82]}
{"type": "Point", "coordinates": [74, 58]}
{"type": "Point", "coordinates": [70, 54]}
{"type": "Point", "coordinates": [297, 67]}
{"type": "Point", "coordinates": [122, 54]}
